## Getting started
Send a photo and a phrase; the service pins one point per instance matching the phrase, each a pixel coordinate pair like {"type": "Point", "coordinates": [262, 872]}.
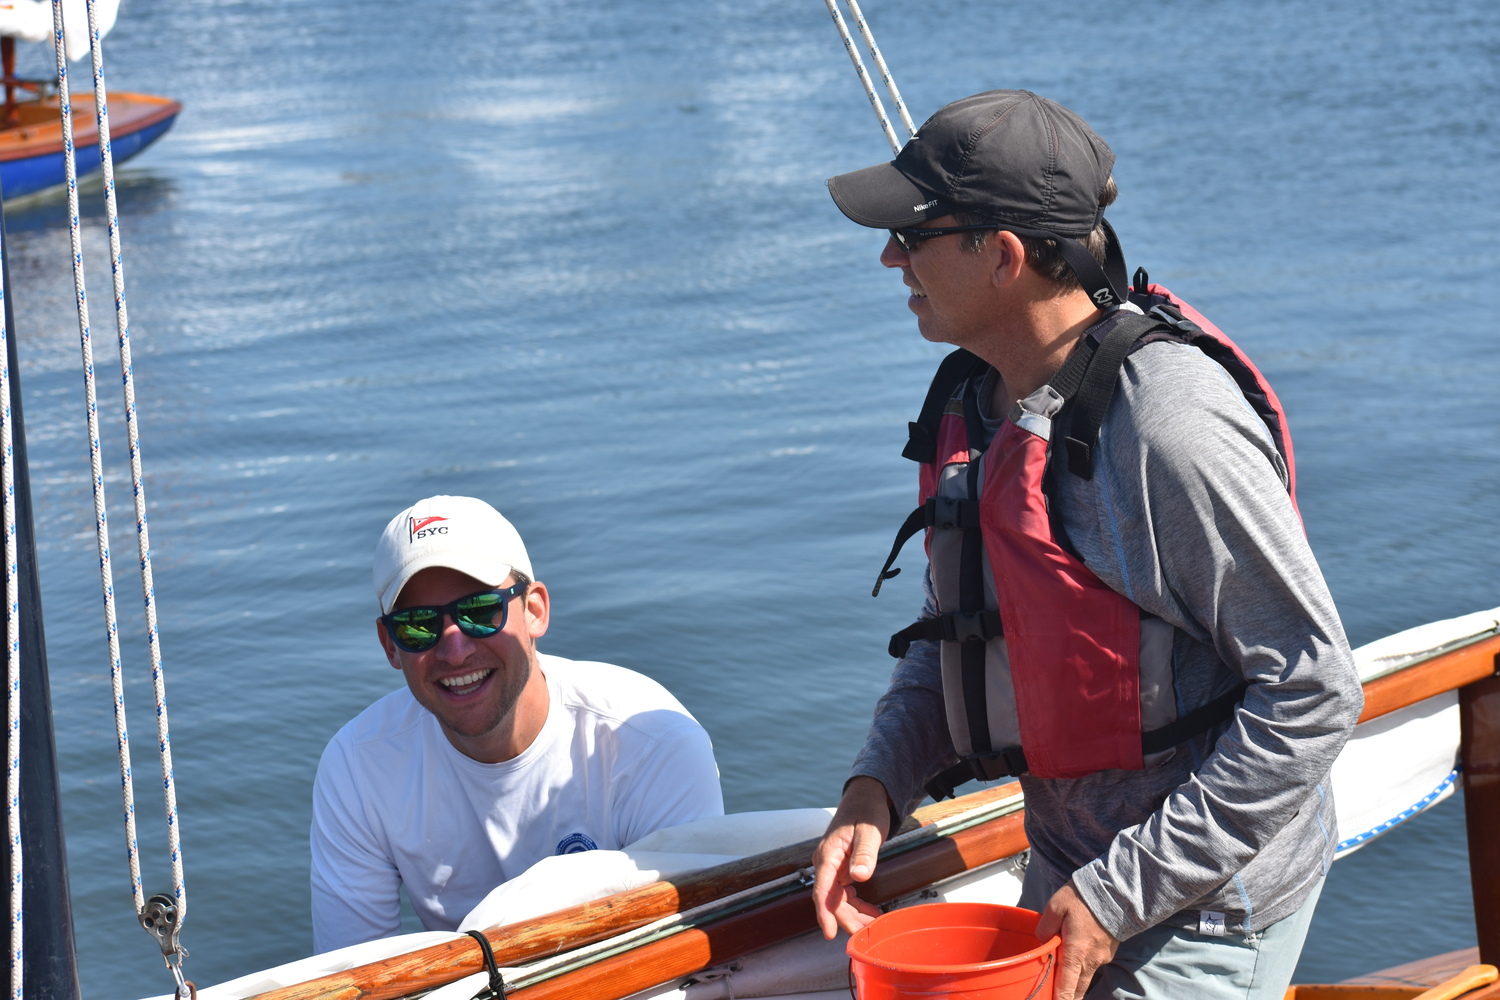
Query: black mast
{"type": "Point", "coordinates": [51, 965]}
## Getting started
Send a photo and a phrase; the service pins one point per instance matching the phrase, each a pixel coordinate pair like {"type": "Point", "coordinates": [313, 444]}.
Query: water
{"type": "Point", "coordinates": [578, 258]}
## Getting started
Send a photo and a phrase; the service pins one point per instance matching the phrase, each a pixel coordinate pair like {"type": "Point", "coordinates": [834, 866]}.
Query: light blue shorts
{"type": "Point", "coordinates": [1167, 964]}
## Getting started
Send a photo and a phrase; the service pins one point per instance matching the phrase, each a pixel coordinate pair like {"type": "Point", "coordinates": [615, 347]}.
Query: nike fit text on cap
{"type": "Point", "coordinates": [459, 533]}
{"type": "Point", "coordinates": [1006, 155]}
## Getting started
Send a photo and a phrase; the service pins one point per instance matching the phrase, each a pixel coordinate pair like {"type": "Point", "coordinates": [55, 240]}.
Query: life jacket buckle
{"type": "Point", "coordinates": [1170, 315]}
{"type": "Point", "coordinates": [951, 512]}
{"type": "Point", "coordinates": [962, 627]}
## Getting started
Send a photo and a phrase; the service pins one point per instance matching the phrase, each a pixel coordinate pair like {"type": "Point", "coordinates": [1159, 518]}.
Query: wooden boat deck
{"type": "Point", "coordinates": [40, 131]}
{"type": "Point", "coordinates": [1404, 982]}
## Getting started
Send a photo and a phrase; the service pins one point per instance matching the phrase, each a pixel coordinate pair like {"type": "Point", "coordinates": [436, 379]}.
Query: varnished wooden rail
{"type": "Point", "coordinates": [437, 965]}
{"type": "Point", "coordinates": [691, 950]}
{"type": "Point", "coordinates": [1444, 672]}
{"type": "Point", "coordinates": [702, 947]}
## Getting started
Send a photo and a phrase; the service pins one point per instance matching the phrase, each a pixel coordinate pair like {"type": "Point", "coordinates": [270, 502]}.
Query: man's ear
{"type": "Point", "coordinates": [387, 644]}
{"type": "Point", "coordinates": [1010, 259]}
{"type": "Point", "coordinates": [538, 608]}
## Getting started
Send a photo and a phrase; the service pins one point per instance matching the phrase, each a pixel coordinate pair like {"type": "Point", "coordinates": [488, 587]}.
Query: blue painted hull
{"type": "Point", "coordinates": [19, 178]}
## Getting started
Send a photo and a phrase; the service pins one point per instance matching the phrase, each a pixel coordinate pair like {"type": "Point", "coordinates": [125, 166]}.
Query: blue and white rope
{"type": "Point", "coordinates": [96, 464]}
{"type": "Point", "coordinates": [859, 68]}
{"type": "Point", "coordinates": [885, 73]}
{"type": "Point", "coordinates": [12, 658]}
{"type": "Point", "coordinates": [137, 476]}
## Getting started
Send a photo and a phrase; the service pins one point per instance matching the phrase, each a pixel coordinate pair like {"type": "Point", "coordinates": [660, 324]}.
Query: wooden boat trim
{"type": "Point", "coordinates": [701, 947]}
{"type": "Point", "coordinates": [1446, 671]}
{"type": "Point", "coordinates": [120, 125]}
{"type": "Point", "coordinates": [695, 948]}
{"type": "Point", "coordinates": [587, 923]}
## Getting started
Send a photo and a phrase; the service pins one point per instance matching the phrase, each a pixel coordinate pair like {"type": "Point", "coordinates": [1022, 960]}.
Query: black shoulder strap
{"type": "Point", "coordinates": [1096, 387]}
{"type": "Point", "coordinates": [958, 367]}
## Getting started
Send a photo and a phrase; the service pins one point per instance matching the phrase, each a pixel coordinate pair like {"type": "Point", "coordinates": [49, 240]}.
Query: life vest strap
{"type": "Point", "coordinates": [1205, 716]}
{"type": "Point", "coordinates": [1097, 388]}
{"type": "Point", "coordinates": [956, 369]}
{"type": "Point", "coordinates": [935, 512]}
{"type": "Point", "coordinates": [1011, 762]}
{"type": "Point", "coordinates": [958, 627]}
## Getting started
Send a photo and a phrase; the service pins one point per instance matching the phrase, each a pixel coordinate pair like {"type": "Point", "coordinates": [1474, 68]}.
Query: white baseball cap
{"type": "Point", "coordinates": [459, 533]}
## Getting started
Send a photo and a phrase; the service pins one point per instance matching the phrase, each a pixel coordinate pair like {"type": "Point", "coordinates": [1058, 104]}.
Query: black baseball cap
{"type": "Point", "coordinates": [1006, 155]}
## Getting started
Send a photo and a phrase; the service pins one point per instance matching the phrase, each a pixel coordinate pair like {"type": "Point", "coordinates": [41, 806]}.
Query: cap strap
{"type": "Point", "coordinates": [1103, 289]}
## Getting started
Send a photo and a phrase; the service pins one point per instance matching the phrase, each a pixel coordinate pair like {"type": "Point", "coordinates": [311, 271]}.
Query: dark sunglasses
{"type": "Point", "coordinates": [418, 629]}
{"type": "Point", "coordinates": [910, 239]}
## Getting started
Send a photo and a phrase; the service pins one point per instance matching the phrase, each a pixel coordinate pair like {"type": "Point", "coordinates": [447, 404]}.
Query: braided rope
{"type": "Point", "coordinates": [12, 657]}
{"type": "Point", "coordinates": [170, 948]}
{"type": "Point", "coordinates": [859, 68]}
{"type": "Point", "coordinates": [96, 462]}
{"type": "Point", "coordinates": [137, 480]}
{"type": "Point", "coordinates": [885, 73]}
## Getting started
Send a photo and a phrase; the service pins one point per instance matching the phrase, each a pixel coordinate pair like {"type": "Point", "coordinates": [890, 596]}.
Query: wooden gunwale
{"type": "Point", "coordinates": [1447, 671]}
{"type": "Point", "coordinates": [587, 923]}
{"type": "Point", "coordinates": [127, 115]}
{"type": "Point", "coordinates": [697, 948]}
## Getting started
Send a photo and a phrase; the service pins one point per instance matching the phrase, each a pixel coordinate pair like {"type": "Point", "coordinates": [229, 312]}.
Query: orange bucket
{"type": "Point", "coordinates": [967, 951]}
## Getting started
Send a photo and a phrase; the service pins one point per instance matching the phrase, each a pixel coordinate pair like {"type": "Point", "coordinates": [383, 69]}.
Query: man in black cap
{"type": "Point", "coordinates": [1121, 606]}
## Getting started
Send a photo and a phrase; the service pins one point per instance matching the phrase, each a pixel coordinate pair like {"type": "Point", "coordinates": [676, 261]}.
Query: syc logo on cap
{"type": "Point", "coordinates": [422, 527]}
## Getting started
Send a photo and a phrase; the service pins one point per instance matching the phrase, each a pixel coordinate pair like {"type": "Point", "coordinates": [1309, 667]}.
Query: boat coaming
{"type": "Point", "coordinates": [31, 153]}
{"type": "Point", "coordinates": [1417, 681]}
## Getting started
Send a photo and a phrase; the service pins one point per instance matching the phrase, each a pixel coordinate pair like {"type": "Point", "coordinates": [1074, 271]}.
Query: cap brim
{"type": "Point", "coordinates": [882, 197]}
{"type": "Point", "coordinates": [478, 568]}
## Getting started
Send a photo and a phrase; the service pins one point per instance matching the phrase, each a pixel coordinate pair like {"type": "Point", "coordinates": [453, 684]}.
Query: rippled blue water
{"type": "Point", "coordinates": [578, 258]}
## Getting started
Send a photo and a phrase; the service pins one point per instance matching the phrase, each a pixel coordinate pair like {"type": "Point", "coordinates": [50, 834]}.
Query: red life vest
{"type": "Point", "coordinates": [1041, 660]}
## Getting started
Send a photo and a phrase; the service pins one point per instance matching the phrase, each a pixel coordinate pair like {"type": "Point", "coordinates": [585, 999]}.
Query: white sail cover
{"type": "Point", "coordinates": [31, 21]}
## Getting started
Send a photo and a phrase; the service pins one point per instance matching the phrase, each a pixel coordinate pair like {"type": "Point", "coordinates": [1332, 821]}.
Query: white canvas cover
{"type": "Point", "coordinates": [31, 21]}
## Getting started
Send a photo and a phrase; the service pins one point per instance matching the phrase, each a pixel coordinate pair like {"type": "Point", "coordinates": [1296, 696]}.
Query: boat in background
{"type": "Point", "coordinates": [31, 139]}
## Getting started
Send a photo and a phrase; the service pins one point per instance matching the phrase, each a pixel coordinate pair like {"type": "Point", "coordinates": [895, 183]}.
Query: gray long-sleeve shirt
{"type": "Point", "coordinates": [1188, 516]}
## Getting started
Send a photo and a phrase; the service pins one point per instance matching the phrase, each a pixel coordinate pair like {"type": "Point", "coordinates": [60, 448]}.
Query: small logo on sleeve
{"type": "Point", "coordinates": [422, 527]}
{"type": "Point", "coordinates": [576, 843]}
{"type": "Point", "coordinates": [1210, 923]}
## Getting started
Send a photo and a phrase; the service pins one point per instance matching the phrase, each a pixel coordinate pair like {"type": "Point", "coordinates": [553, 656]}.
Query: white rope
{"type": "Point", "coordinates": [12, 658]}
{"type": "Point", "coordinates": [137, 478]}
{"type": "Point", "coordinates": [859, 68]}
{"type": "Point", "coordinates": [885, 73]}
{"type": "Point", "coordinates": [101, 516]}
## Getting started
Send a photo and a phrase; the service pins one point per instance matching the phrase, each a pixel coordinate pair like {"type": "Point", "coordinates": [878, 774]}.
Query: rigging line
{"type": "Point", "coordinates": [859, 68]}
{"type": "Point", "coordinates": [12, 655]}
{"type": "Point", "coordinates": [96, 465]}
{"type": "Point", "coordinates": [885, 73]}
{"type": "Point", "coordinates": [137, 483]}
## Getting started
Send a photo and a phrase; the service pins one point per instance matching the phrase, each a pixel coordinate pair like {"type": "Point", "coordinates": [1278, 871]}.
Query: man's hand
{"type": "Point", "coordinates": [847, 854]}
{"type": "Point", "coordinates": [1086, 945]}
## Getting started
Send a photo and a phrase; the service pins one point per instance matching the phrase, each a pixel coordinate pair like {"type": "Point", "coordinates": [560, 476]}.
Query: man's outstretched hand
{"type": "Point", "coordinates": [847, 854]}
{"type": "Point", "coordinates": [1086, 945]}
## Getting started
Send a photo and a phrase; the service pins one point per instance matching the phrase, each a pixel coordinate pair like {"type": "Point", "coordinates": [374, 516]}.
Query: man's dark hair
{"type": "Point", "coordinates": [1043, 256]}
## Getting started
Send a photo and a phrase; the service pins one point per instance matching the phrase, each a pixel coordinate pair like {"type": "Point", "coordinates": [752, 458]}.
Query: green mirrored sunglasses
{"type": "Point", "coordinates": [477, 616]}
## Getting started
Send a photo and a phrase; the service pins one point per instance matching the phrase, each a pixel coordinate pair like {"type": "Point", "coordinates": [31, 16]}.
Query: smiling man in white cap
{"type": "Point", "coordinates": [494, 756]}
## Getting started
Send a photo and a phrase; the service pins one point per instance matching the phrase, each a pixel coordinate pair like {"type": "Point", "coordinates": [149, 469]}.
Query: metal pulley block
{"type": "Point", "coordinates": [159, 917]}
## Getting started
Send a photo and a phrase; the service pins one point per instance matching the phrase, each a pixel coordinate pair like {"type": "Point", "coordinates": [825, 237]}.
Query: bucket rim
{"type": "Point", "coordinates": [1039, 952]}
